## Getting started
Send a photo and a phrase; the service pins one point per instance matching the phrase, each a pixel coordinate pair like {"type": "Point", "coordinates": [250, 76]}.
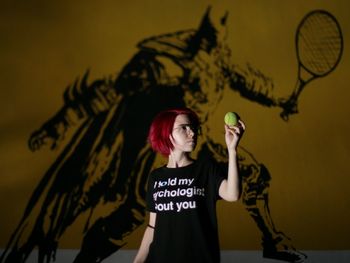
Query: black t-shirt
{"type": "Point", "coordinates": [184, 199]}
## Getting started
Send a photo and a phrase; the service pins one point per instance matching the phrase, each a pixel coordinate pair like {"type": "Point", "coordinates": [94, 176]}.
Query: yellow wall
{"type": "Point", "coordinates": [46, 45]}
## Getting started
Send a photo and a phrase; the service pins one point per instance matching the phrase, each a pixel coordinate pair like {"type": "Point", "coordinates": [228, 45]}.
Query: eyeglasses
{"type": "Point", "coordinates": [185, 128]}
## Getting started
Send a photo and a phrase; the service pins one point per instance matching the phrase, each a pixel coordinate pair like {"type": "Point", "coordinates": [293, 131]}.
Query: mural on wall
{"type": "Point", "coordinates": [107, 159]}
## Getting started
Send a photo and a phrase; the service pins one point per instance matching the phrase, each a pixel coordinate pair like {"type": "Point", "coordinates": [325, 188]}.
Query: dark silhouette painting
{"type": "Point", "coordinates": [107, 159]}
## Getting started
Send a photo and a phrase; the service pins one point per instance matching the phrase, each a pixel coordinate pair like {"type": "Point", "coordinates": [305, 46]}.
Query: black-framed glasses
{"type": "Point", "coordinates": [196, 129]}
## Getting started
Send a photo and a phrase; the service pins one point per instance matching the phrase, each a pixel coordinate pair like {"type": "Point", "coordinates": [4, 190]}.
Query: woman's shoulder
{"type": "Point", "coordinates": [156, 172]}
{"type": "Point", "coordinates": [210, 163]}
{"type": "Point", "coordinates": [207, 160]}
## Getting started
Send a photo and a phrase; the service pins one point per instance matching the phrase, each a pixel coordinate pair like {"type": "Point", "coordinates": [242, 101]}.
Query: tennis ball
{"type": "Point", "coordinates": [231, 118]}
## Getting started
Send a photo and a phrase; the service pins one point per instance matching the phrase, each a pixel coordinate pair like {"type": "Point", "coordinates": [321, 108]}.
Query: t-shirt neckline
{"type": "Point", "coordinates": [180, 168]}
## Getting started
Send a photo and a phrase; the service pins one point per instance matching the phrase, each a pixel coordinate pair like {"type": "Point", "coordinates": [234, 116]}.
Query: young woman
{"type": "Point", "coordinates": [182, 195]}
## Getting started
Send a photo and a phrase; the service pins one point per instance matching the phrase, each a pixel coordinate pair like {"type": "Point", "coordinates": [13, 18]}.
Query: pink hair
{"type": "Point", "coordinates": [162, 127]}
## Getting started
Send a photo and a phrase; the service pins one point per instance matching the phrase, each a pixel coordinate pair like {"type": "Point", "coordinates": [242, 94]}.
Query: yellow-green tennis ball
{"type": "Point", "coordinates": [231, 118]}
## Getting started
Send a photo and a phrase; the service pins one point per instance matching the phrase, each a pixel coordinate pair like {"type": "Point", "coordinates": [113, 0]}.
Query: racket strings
{"type": "Point", "coordinates": [319, 43]}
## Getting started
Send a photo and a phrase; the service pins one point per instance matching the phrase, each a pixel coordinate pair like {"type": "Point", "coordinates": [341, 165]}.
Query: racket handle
{"type": "Point", "coordinates": [290, 105]}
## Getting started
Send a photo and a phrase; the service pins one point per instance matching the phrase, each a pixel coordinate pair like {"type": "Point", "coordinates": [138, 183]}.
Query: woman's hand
{"type": "Point", "coordinates": [233, 135]}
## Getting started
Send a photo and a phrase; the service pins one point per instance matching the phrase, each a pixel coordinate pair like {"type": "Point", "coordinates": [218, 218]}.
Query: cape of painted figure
{"type": "Point", "coordinates": [231, 118]}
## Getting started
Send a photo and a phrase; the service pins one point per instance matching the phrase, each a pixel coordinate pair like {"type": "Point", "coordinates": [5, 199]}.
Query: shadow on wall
{"type": "Point", "coordinates": [107, 159]}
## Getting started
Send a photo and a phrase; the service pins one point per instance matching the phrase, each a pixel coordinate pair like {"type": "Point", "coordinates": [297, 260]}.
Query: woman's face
{"type": "Point", "coordinates": [184, 135]}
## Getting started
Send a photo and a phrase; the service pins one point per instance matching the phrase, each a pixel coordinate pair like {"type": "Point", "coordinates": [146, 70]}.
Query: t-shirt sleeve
{"type": "Point", "coordinates": [150, 205]}
{"type": "Point", "coordinates": [218, 172]}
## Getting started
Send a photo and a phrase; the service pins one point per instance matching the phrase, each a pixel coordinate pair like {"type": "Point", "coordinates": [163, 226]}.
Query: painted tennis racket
{"type": "Point", "coordinates": [319, 47]}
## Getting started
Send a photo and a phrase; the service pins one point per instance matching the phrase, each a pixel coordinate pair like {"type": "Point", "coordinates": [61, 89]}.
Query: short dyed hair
{"type": "Point", "coordinates": [162, 127]}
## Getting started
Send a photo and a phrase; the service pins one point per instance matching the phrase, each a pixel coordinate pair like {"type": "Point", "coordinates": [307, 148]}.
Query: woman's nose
{"type": "Point", "coordinates": [190, 131]}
